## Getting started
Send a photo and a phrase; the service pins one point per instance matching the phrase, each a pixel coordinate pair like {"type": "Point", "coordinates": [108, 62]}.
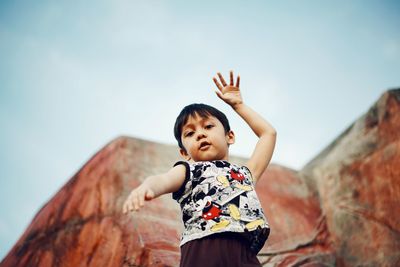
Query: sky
{"type": "Point", "coordinates": [74, 75]}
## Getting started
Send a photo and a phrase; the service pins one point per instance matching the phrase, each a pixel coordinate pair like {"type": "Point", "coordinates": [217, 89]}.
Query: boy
{"type": "Point", "coordinates": [217, 198]}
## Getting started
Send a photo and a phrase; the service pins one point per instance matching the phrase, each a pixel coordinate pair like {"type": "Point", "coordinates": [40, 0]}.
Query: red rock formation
{"type": "Point", "coordinates": [357, 179]}
{"type": "Point", "coordinates": [340, 209]}
{"type": "Point", "coordinates": [298, 227]}
{"type": "Point", "coordinates": [82, 225]}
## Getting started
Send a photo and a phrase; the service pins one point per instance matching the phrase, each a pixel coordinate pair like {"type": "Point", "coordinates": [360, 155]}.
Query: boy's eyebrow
{"type": "Point", "coordinates": [190, 125]}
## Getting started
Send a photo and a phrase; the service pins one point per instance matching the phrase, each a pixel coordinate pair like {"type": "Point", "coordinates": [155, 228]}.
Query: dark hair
{"type": "Point", "coordinates": [203, 111]}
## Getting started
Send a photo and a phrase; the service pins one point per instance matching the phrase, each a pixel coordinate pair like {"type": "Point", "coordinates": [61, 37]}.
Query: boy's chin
{"type": "Point", "coordinates": [208, 158]}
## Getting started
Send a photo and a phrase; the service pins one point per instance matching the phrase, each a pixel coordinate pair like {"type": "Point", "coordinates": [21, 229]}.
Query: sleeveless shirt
{"type": "Point", "coordinates": [218, 196]}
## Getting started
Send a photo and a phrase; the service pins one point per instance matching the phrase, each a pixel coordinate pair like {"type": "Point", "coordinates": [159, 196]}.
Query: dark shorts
{"type": "Point", "coordinates": [216, 250]}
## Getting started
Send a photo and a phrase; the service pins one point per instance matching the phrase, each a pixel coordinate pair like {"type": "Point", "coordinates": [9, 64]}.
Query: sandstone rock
{"type": "Point", "coordinates": [82, 225]}
{"type": "Point", "coordinates": [298, 227]}
{"type": "Point", "coordinates": [357, 180]}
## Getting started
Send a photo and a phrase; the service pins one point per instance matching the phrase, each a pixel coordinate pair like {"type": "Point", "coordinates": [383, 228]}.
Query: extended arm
{"type": "Point", "coordinates": [262, 153]}
{"type": "Point", "coordinates": [154, 186]}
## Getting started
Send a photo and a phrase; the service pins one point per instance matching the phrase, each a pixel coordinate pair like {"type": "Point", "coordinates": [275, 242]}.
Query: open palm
{"type": "Point", "coordinates": [228, 93]}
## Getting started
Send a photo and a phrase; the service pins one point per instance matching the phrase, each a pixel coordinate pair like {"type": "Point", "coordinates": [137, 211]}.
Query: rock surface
{"type": "Point", "coordinates": [357, 181]}
{"type": "Point", "coordinates": [339, 210]}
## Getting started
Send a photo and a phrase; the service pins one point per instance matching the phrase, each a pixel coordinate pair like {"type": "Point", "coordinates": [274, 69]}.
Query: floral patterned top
{"type": "Point", "coordinates": [218, 196]}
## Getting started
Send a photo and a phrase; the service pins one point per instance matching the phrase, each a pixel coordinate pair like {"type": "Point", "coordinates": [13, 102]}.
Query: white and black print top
{"type": "Point", "coordinates": [218, 196]}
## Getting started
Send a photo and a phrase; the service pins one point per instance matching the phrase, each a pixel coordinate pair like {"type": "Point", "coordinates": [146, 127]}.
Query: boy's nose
{"type": "Point", "coordinates": [200, 135]}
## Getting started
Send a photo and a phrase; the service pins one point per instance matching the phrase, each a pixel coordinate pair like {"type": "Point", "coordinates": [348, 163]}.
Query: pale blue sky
{"type": "Point", "coordinates": [76, 74]}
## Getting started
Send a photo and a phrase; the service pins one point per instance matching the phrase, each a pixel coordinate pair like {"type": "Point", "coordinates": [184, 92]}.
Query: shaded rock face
{"type": "Point", "coordinates": [339, 210]}
{"type": "Point", "coordinates": [298, 228]}
{"type": "Point", "coordinates": [357, 180]}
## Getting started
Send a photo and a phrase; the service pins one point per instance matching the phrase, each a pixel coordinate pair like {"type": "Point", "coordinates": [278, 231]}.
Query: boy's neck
{"type": "Point", "coordinates": [192, 161]}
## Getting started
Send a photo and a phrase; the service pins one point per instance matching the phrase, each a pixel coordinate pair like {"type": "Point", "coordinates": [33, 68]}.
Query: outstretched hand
{"type": "Point", "coordinates": [137, 197]}
{"type": "Point", "coordinates": [230, 94]}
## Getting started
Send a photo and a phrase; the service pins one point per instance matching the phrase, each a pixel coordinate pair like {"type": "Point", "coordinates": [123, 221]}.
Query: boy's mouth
{"type": "Point", "coordinates": [204, 145]}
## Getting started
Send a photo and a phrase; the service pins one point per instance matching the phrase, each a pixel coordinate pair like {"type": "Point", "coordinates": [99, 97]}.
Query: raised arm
{"type": "Point", "coordinates": [264, 149]}
{"type": "Point", "coordinates": [154, 186]}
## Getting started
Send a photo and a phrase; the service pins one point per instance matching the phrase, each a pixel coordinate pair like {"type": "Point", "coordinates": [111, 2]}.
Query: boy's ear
{"type": "Point", "coordinates": [230, 137]}
{"type": "Point", "coordinates": [184, 154]}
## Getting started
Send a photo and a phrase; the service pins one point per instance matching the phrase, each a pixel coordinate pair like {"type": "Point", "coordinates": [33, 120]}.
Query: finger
{"type": "Point", "coordinates": [231, 78]}
{"type": "Point", "coordinates": [217, 84]}
{"type": "Point", "coordinates": [141, 199]}
{"type": "Point", "coordinates": [219, 94]}
{"type": "Point", "coordinates": [129, 204]}
{"type": "Point", "coordinates": [238, 81]}
{"type": "Point", "coordinates": [137, 200]}
{"type": "Point", "coordinates": [149, 195]}
{"type": "Point", "coordinates": [125, 206]}
{"type": "Point", "coordinates": [133, 202]}
{"type": "Point", "coordinates": [222, 79]}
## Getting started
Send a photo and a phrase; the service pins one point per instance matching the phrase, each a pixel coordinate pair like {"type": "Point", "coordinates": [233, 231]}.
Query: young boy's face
{"type": "Point", "coordinates": [204, 139]}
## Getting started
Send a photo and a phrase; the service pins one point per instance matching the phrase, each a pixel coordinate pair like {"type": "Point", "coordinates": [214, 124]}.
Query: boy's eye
{"type": "Point", "coordinates": [209, 126]}
{"type": "Point", "coordinates": [189, 133]}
